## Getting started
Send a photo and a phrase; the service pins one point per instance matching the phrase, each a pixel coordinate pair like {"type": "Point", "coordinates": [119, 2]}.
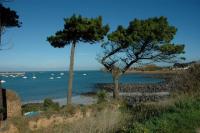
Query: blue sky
{"type": "Point", "coordinates": [42, 18]}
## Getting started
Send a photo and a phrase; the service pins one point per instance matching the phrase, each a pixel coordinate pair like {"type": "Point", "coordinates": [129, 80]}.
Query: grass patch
{"type": "Point", "coordinates": [184, 119]}
{"type": "Point", "coordinates": [183, 116]}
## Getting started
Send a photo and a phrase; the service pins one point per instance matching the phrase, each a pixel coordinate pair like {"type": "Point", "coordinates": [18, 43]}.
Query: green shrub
{"type": "Point", "coordinates": [32, 107]}
{"type": "Point", "coordinates": [144, 112]}
{"type": "Point", "coordinates": [101, 96]}
{"type": "Point", "coordinates": [48, 105]}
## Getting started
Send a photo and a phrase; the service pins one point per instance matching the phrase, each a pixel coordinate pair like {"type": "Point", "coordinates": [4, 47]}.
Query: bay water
{"type": "Point", "coordinates": [34, 86]}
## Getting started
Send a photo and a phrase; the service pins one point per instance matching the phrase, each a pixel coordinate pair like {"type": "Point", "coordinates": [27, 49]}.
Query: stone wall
{"type": "Point", "coordinates": [160, 87]}
{"type": "Point", "coordinates": [135, 94]}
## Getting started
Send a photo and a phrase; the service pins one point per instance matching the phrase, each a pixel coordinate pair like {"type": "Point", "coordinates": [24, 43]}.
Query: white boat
{"type": "Point", "coordinates": [58, 77]}
{"type": "Point", "coordinates": [84, 74]}
{"type": "Point", "coordinates": [52, 74]}
{"type": "Point", "coordinates": [61, 73]}
{"type": "Point", "coordinates": [24, 77]}
{"type": "Point", "coordinates": [51, 78]}
{"type": "Point", "coordinates": [5, 76]}
{"type": "Point", "coordinates": [34, 77]}
{"type": "Point", "coordinates": [3, 81]}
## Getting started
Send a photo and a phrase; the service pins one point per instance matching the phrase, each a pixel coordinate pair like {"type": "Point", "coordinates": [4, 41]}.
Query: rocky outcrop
{"type": "Point", "coordinates": [159, 87]}
{"type": "Point", "coordinates": [13, 104]}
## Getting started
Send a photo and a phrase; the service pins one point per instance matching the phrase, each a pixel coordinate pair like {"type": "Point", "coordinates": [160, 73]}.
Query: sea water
{"type": "Point", "coordinates": [40, 85]}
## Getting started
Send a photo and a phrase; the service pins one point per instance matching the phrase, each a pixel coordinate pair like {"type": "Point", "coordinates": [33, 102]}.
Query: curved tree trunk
{"type": "Point", "coordinates": [116, 73]}
{"type": "Point", "coordinates": [71, 73]}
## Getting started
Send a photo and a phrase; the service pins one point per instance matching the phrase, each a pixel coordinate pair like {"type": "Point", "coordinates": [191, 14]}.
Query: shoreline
{"type": "Point", "coordinates": [12, 73]}
{"type": "Point", "coordinates": [77, 100]}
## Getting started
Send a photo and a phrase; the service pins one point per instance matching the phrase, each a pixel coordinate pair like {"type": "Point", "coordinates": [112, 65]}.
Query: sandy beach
{"type": "Point", "coordinates": [84, 100]}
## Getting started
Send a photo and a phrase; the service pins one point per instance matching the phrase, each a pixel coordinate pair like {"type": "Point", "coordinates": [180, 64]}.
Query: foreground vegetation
{"type": "Point", "coordinates": [180, 113]}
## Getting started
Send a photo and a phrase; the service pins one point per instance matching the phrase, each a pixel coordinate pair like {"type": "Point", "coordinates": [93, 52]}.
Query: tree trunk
{"type": "Point", "coordinates": [116, 73]}
{"type": "Point", "coordinates": [116, 87]}
{"type": "Point", "coordinates": [71, 73]}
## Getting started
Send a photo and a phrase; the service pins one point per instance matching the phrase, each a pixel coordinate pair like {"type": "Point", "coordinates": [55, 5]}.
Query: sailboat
{"type": "Point", "coordinates": [2, 81]}
{"type": "Point", "coordinates": [34, 77]}
{"type": "Point", "coordinates": [24, 77]}
{"type": "Point", "coordinates": [51, 78]}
